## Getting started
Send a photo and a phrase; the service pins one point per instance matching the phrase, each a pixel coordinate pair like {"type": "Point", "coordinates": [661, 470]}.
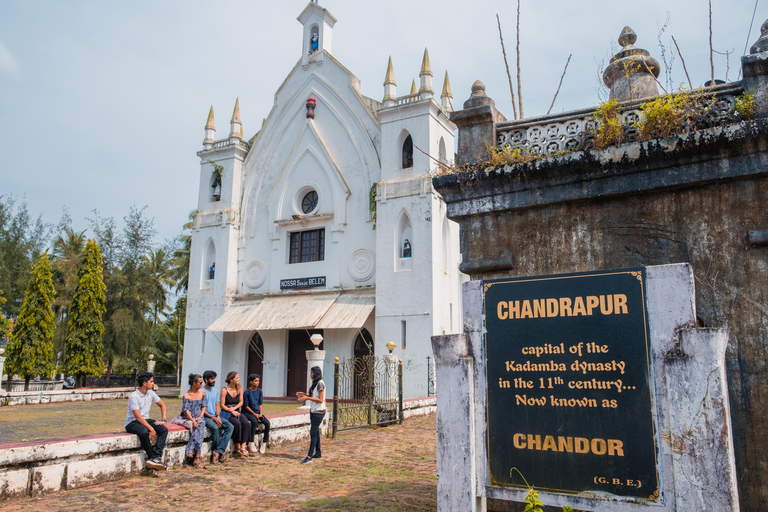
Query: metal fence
{"type": "Point", "coordinates": [367, 391]}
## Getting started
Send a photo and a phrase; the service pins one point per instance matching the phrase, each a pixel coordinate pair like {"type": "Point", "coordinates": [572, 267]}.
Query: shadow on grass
{"type": "Point", "coordinates": [380, 497]}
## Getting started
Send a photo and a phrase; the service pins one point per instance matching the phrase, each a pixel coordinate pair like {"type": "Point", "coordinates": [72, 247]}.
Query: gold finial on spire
{"type": "Point", "coordinates": [236, 113]}
{"type": "Point", "coordinates": [426, 68]}
{"type": "Point", "coordinates": [446, 88]}
{"type": "Point", "coordinates": [209, 124]}
{"type": "Point", "coordinates": [390, 78]}
{"type": "Point", "coordinates": [413, 87]}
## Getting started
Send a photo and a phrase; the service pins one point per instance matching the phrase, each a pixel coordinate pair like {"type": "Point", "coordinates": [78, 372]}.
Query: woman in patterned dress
{"type": "Point", "coordinates": [192, 409]}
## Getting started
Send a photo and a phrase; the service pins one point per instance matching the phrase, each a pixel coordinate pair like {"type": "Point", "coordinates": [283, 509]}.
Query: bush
{"type": "Point", "coordinates": [609, 130]}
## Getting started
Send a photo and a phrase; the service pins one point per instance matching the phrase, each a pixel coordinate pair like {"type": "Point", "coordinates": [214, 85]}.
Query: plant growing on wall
{"type": "Point", "coordinates": [372, 203]}
{"type": "Point", "coordinates": [218, 171]}
{"type": "Point", "coordinates": [608, 131]}
{"type": "Point", "coordinates": [744, 105]}
{"type": "Point", "coordinates": [666, 115]}
{"type": "Point", "coordinates": [84, 349]}
{"type": "Point", "coordinates": [30, 350]}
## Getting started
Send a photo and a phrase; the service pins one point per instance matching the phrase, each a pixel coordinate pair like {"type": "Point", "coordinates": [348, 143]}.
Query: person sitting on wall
{"type": "Point", "coordinates": [252, 401]}
{"type": "Point", "coordinates": [231, 402]}
{"type": "Point", "coordinates": [191, 417]}
{"type": "Point", "coordinates": [221, 429]}
{"type": "Point", "coordinates": [137, 420]}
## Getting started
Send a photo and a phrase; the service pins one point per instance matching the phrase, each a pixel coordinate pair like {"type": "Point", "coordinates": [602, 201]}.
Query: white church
{"type": "Point", "coordinates": [324, 222]}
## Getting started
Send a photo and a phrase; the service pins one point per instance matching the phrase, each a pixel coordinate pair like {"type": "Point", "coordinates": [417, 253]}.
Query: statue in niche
{"type": "Point", "coordinates": [212, 271]}
{"type": "Point", "coordinates": [406, 249]}
{"type": "Point", "coordinates": [313, 43]}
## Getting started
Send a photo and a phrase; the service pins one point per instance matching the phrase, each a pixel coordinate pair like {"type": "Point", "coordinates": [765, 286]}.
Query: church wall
{"type": "Point", "coordinates": [293, 154]}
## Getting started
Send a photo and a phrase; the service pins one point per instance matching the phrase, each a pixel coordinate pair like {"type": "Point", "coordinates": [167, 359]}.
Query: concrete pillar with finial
{"type": "Point", "coordinates": [477, 125]}
{"type": "Point", "coordinates": [755, 70]}
{"type": "Point", "coordinates": [632, 73]}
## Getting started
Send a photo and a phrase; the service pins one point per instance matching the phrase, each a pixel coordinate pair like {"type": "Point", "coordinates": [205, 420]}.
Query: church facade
{"type": "Point", "coordinates": [325, 222]}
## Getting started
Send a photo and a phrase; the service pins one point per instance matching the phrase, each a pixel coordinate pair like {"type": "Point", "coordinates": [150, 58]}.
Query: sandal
{"type": "Point", "coordinates": [196, 462]}
{"type": "Point", "coordinates": [215, 458]}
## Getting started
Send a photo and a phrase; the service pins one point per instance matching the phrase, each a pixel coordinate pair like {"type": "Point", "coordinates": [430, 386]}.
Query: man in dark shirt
{"type": "Point", "coordinates": [252, 400]}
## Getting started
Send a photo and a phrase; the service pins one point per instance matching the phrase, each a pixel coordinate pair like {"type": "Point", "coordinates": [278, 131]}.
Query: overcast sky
{"type": "Point", "coordinates": [103, 103]}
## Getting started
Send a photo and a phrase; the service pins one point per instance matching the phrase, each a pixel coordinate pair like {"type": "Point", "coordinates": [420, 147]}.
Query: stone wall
{"type": "Point", "coordinates": [64, 395]}
{"type": "Point", "coordinates": [32, 468]}
{"type": "Point", "coordinates": [694, 198]}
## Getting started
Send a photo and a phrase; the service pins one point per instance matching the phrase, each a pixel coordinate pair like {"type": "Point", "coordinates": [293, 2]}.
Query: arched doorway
{"type": "Point", "coordinates": [363, 348]}
{"type": "Point", "coordinates": [256, 356]}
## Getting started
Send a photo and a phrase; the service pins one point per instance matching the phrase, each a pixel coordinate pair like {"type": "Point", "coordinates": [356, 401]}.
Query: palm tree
{"type": "Point", "coordinates": [181, 255]}
{"type": "Point", "coordinates": [158, 268]}
{"type": "Point", "coordinates": [67, 253]}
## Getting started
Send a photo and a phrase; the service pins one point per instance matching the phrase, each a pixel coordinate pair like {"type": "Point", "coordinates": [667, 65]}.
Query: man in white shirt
{"type": "Point", "coordinates": [137, 421]}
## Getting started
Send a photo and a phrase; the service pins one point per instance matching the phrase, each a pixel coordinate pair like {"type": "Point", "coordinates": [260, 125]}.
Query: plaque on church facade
{"type": "Point", "coordinates": [302, 282]}
{"type": "Point", "coordinates": [568, 383]}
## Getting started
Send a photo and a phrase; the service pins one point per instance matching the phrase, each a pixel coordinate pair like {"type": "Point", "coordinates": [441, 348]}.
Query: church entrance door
{"type": "Point", "coordinates": [298, 344]}
{"type": "Point", "coordinates": [256, 356]}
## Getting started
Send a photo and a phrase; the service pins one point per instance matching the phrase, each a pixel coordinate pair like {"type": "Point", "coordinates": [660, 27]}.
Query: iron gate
{"type": "Point", "coordinates": [367, 390]}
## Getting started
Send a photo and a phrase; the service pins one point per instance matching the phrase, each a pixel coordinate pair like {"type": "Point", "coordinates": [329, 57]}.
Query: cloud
{"type": "Point", "coordinates": [8, 64]}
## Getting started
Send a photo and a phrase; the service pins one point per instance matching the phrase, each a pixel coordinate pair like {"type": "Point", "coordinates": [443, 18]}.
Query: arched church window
{"type": "Point", "coordinates": [404, 240]}
{"type": "Point", "coordinates": [364, 343]}
{"type": "Point", "coordinates": [408, 152]}
{"type": "Point", "coordinates": [209, 264]}
{"type": "Point", "coordinates": [309, 202]}
{"type": "Point", "coordinates": [216, 175]}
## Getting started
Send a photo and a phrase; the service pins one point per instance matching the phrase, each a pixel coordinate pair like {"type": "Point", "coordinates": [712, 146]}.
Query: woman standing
{"type": "Point", "coordinates": [317, 411]}
{"type": "Point", "coordinates": [231, 402]}
{"type": "Point", "coordinates": [192, 409]}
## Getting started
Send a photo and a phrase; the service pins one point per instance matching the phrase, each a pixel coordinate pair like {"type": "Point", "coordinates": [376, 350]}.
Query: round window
{"type": "Point", "coordinates": [309, 203]}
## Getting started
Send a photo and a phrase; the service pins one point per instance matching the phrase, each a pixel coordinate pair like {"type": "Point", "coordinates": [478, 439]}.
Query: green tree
{"type": "Point", "coordinates": [158, 269]}
{"type": "Point", "coordinates": [181, 254]}
{"type": "Point", "coordinates": [22, 240]}
{"type": "Point", "coordinates": [85, 327]}
{"type": "Point", "coordinates": [5, 324]}
{"type": "Point", "coordinates": [67, 252]}
{"type": "Point", "coordinates": [30, 351]}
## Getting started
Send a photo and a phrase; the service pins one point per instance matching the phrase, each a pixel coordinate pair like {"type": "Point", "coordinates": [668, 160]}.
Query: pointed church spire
{"type": "Point", "coordinates": [209, 123]}
{"type": "Point", "coordinates": [236, 127]}
{"type": "Point", "coordinates": [390, 78]}
{"type": "Point", "coordinates": [236, 112]}
{"type": "Point", "coordinates": [413, 87]}
{"type": "Point", "coordinates": [446, 87]}
{"type": "Point", "coordinates": [210, 131]}
{"type": "Point", "coordinates": [425, 77]}
{"type": "Point", "coordinates": [426, 68]}
{"type": "Point", "coordinates": [447, 96]}
{"type": "Point", "coordinates": [390, 86]}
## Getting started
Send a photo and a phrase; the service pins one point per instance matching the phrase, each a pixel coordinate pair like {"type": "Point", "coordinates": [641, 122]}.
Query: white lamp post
{"type": "Point", "coordinates": [315, 357]}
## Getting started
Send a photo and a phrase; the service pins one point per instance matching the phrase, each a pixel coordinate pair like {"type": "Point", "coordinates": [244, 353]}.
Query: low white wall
{"type": "Point", "coordinates": [65, 395]}
{"type": "Point", "coordinates": [47, 466]}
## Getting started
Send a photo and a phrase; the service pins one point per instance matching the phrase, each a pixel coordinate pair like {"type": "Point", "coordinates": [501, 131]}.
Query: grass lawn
{"type": "Point", "coordinates": [20, 423]}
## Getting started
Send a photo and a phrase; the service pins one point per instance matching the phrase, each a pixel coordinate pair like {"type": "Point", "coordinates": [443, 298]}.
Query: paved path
{"type": "Point", "coordinates": [384, 469]}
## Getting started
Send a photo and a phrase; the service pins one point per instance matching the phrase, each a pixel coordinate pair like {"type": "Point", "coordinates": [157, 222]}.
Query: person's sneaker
{"type": "Point", "coordinates": [306, 460]}
{"type": "Point", "coordinates": [156, 464]}
{"type": "Point", "coordinates": [252, 447]}
{"type": "Point", "coordinates": [317, 456]}
{"type": "Point", "coordinates": [263, 448]}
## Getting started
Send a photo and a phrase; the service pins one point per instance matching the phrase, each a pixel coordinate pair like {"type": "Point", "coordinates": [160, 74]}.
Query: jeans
{"type": "Point", "coordinates": [315, 419]}
{"type": "Point", "coordinates": [219, 441]}
{"type": "Point", "coordinates": [255, 424]}
{"type": "Point", "coordinates": [140, 430]}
